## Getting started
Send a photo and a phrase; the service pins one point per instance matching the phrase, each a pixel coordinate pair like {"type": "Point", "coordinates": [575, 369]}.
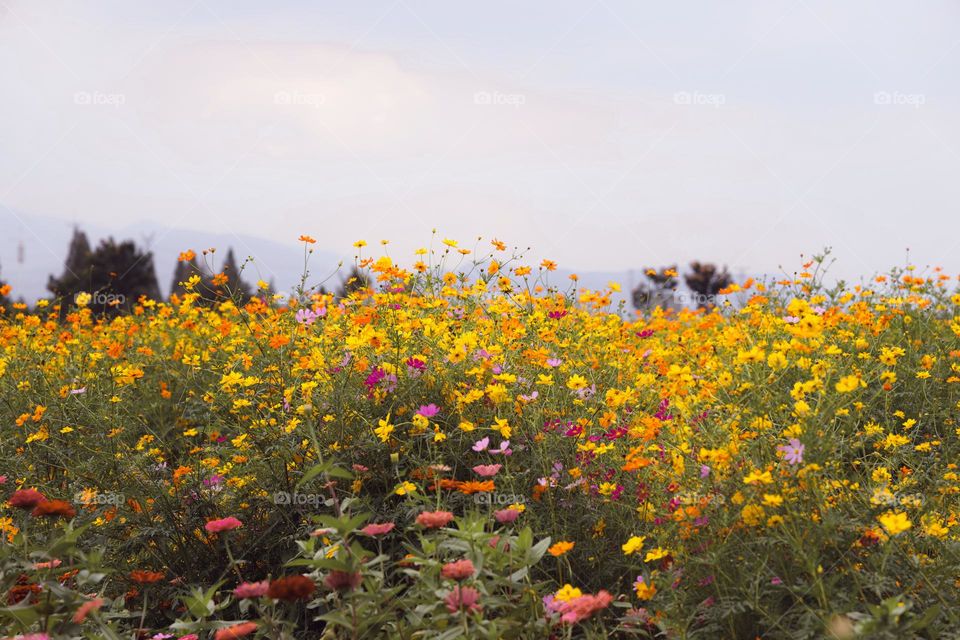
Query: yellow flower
{"type": "Point", "coordinates": [644, 591]}
{"type": "Point", "coordinates": [634, 544]}
{"type": "Point", "coordinates": [894, 522]}
{"type": "Point", "coordinates": [404, 488]}
{"type": "Point", "coordinates": [576, 382]}
{"type": "Point", "coordinates": [656, 554]}
{"type": "Point", "coordinates": [849, 383]}
{"type": "Point", "coordinates": [385, 429]}
{"type": "Point", "coordinates": [566, 593]}
{"type": "Point", "coordinates": [758, 477]}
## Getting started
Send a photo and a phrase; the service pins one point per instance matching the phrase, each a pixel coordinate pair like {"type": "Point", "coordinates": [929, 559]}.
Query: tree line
{"type": "Point", "coordinates": [116, 274]}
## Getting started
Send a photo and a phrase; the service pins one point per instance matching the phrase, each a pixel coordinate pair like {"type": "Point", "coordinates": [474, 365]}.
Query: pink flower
{"type": "Point", "coordinates": [378, 529]}
{"type": "Point", "coordinates": [506, 516]}
{"type": "Point", "coordinates": [3, 479]}
{"type": "Point", "coordinates": [428, 410]}
{"type": "Point", "coordinates": [487, 470]}
{"type": "Point", "coordinates": [252, 589]}
{"type": "Point", "coordinates": [224, 524]}
{"type": "Point", "coordinates": [86, 608]}
{"type": "Point", "coordinates": [33, 636]}
{"type": "Point", "coordinates": [581, 608]}
{"type": "Point", "coordinates": [463, 599]}
{"type": "Point", "coordinates": [481, 445]}
{"type": "Point", "coordinates": [434, 519]}
{"type": "Point", "coordinates": [458, 570]}
{"type": "Point", "coordinates": [189, 636]}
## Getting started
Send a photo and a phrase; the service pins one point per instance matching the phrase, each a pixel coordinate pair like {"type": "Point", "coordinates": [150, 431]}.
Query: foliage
{"type": "Point", "coordinates": [782, 465]}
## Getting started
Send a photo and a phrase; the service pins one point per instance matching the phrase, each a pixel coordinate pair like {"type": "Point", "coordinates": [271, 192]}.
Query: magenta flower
{"type": "Point", "coordinates": [429, 410]}
{"type": "Point", "coordinates": [504, 448]}
{"type": "Point", "coordinates": [792, 451]}
{"type": "Point", "coordinates": [487, 470]}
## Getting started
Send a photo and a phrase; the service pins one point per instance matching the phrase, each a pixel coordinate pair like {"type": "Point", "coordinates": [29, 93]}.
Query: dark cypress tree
{"type": "Point", "coordinates": [706, 282]}
{"type": "Point", "coordinates": [116, 274]}
{"type": "Point", "coordinates": [235, 286]}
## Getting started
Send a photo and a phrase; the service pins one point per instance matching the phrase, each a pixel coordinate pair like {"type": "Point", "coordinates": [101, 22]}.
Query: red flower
{"type": "Point", "coordinates": [343, 580]}
{"type": "Point", "coordinates": [54, 508]}
{"type": "Point", "coordinates": [459, 570]}
{"type": "Point", "coordinates": [434, 519]}
{"type": "Point", "coordinates": [26, 499]}
{"type": "Point", "coordinates": [143, 576]}
{"type": "Point", "coordinates": [224, 524]}
{"type": "Point", "coordinates": [291, 588]}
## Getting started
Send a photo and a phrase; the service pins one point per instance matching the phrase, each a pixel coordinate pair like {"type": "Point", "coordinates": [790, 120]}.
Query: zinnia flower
{"type": "Point", "coordinates": [143, 576]}
{"type": "Point", "coordinates": [343, 580]}
{"type": "Point", "coordinates": [458, 570]}
{"type": "Point", "coordinates": [463, 599]}
{"type": "Point", "coordinates": [54, 509]}
{"type": "Point", "coordinates": [377, 529]}
{"type": "Point", "coordinates": [26, 499]}
{"type": "Point", "coordinates": [251, 589]}
{"type": "Point", "coordinates": [291, 588]}
{"type": "Point", "coordinates": [224, 524]}
{"type": "Point", "coordinates": [434, 519]}
{"type": "Point", "coordinates": [506, 516]}
{"type": "Point", "coordinates": [235, 631]}
{"type": "Point", "coordinates": [86, 608]}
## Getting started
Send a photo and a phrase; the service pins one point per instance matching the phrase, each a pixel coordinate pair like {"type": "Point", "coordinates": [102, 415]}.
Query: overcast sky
{"type": "Point", "coordinates": [605, 135]}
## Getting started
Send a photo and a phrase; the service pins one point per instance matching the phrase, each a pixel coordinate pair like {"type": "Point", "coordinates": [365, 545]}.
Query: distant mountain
{"type": "Point", "coordinates": [32, 247]}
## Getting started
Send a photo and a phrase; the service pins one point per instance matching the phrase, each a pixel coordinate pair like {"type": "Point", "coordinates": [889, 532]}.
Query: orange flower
{"type": "Point", "coordinates": [307, 239]}
{"type": "Point", "coordinates": [560, 548]}
{"type": "Point", "coordinates": [143, 576]}
{"type": "Point", "coordinates": [469, 487]}
{"type": "Point", "coordinates": [291, 588]}
{"type": "Point", "coordinates": [54, 508]}
{"type": "Point", "coordinates": [235, 631]}
{"type": "Point", "coordinates": [186, 256]}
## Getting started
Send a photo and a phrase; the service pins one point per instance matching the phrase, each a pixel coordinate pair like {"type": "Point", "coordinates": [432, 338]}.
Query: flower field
{"type": "Point", "coordinates": [469, 448]}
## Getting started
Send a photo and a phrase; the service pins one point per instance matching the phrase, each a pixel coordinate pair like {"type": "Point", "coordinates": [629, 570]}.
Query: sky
{"type": "Point", "coordinates": [603, 135]}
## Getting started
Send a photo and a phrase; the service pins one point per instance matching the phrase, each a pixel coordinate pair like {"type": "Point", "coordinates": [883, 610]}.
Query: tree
{"type": "Point", "coordinates": [659, 289]}
{"type": "Point", "coordinates": [355, 281]}
{"type": "Point", "coordinates": [706, 282]}
{"type": "Point", "coordinates": [115, 275]}
{"type": "Point", "coordinates": [235, 286]}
